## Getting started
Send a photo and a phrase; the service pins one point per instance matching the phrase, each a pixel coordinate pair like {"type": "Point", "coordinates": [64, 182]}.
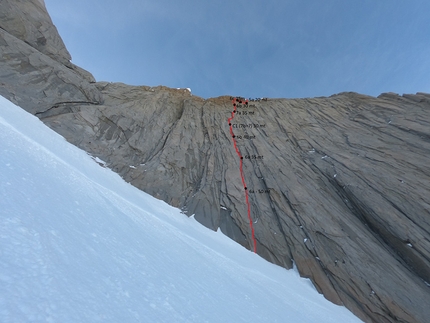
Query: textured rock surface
{"type": "Point", "coordinates": [347, 177]}
{"type": "Point", "coordinates": [36, 73]}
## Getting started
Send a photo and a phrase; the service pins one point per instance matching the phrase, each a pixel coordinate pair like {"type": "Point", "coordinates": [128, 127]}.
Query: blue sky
{"type": "Point", "coordinates": [252, 48]}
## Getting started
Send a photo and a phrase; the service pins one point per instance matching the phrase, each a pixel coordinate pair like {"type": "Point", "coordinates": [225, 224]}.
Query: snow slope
{"type": "Point", "coordinates": [78, 244]}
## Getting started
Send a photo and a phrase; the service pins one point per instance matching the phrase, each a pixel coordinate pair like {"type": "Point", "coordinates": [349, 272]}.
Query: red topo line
{"type": "Point", "coordinates": [254, 241]}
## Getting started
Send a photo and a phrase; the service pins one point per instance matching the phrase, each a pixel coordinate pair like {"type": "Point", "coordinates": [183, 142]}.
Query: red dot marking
{"type": "Point", "coordinates": [254, 241]}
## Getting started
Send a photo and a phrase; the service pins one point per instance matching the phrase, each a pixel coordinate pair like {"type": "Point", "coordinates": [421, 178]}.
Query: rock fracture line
{"type": "Point", "coordinates": [235, 102]}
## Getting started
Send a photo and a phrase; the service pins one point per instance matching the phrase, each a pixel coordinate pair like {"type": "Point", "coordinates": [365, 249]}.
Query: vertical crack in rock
{"type": "Point", "coordinates": [344, 180]}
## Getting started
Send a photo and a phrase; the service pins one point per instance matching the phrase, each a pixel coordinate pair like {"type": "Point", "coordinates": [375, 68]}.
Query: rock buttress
{"type": "Point", "coordinates": [341, 185]}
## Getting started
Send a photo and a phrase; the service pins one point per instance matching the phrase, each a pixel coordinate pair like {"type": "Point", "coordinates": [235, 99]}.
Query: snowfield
{"type": "Point", "coordinates": [78, 244]}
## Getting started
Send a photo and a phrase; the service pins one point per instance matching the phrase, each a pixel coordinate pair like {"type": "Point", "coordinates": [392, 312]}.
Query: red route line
{"type": "Point", "coordinates": [254, 241]}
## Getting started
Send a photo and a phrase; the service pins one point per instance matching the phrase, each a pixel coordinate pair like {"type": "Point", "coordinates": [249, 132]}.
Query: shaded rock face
{"type": "Point", "coordinates": [36, 72]}
{"type": "Point", "coordinates": [339, 185]}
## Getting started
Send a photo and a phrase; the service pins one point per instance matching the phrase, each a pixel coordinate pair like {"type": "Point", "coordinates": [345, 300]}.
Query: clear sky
{"type": "Point", "coordinates": [252, 48]}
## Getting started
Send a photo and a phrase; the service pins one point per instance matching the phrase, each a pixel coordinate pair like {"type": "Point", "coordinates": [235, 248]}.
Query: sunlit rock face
{"type": "Point", "coordinates": [339, 185]}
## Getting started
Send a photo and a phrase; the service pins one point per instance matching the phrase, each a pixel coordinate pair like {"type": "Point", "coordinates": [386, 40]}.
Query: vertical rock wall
{"type": "Point", "coordinates": [339, 185]}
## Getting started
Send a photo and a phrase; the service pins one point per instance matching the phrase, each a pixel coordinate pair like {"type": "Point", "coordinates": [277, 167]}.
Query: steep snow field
{"type": "Point", "coordinates": [78, 244]}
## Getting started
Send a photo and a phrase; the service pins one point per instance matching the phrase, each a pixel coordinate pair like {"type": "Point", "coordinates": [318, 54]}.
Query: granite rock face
{"type": "Point", "coordinates": [339, 185]}
{"type": "Point", "coordinates": [36, 72]}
